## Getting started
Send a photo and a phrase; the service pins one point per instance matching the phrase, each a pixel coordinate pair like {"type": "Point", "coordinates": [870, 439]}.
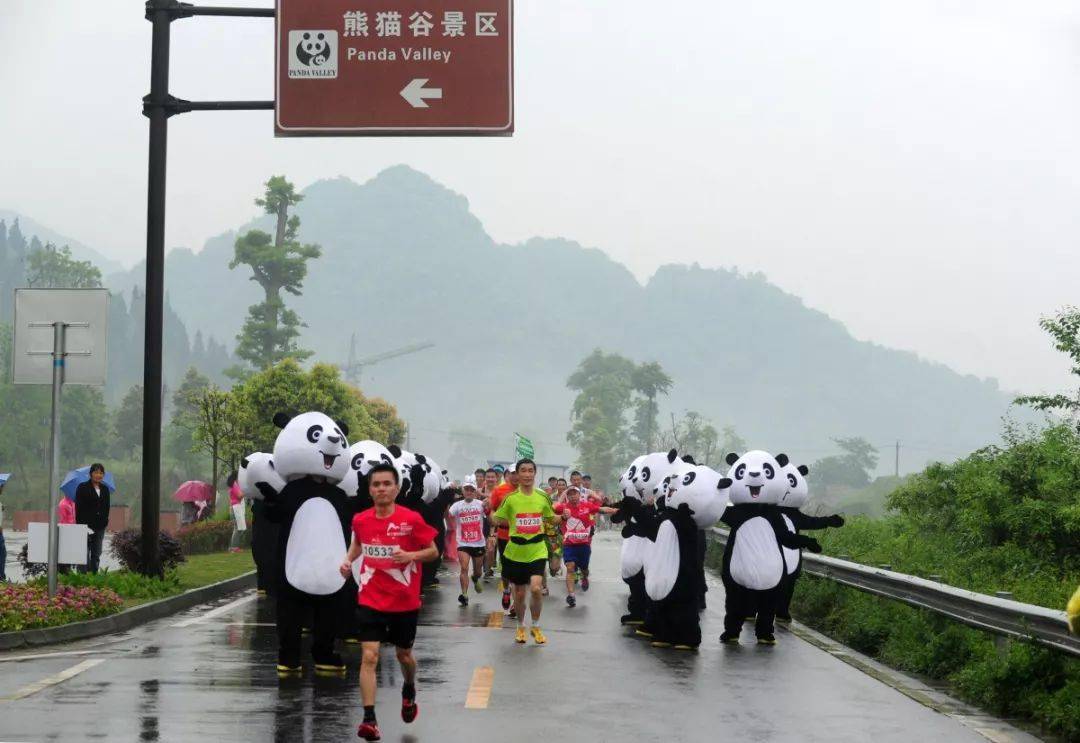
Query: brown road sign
{"type": "Point", "coordinates": [423, 67]}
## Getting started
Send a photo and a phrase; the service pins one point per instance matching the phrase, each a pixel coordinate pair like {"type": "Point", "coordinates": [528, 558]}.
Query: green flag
{"type": "Point", "coordinates": [524, 447]}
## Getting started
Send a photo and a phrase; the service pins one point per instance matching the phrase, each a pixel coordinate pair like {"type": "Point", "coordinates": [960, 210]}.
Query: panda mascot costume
{"type": "Point", "coordinates": [672, 568]}
{"type": "Point", "coordinates": [754, 568]}
{"type": "Point", "coordinates": [363, 455]}
{"type": "Point", "coordinates": [797, 492]}
{"type": "Point", "coordinates": [436, 497]}
{"type": "Point", "coordinates": [254, 468]}
{"type": "Point", "coordinates": [642, 520]}
{"type": "Point", "coordinates": [632, 554]}
{"type": "Point", "coordinates": [311, 453]}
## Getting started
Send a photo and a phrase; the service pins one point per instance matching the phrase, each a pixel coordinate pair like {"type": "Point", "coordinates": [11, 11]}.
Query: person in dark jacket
{"type": "Point", "coordinates": [92, 509]}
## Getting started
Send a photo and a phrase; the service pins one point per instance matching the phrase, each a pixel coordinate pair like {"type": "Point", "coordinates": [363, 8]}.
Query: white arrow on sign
{"type": "Point", "coordinates": [415, 93]}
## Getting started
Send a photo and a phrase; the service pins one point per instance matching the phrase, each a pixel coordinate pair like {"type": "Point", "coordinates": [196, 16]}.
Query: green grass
{"type": "Point", "coordinates": [202, 570]}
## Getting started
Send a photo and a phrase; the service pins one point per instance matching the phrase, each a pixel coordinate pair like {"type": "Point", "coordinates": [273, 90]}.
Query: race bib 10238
{"type": "Point", "coordinates": [528, 523]}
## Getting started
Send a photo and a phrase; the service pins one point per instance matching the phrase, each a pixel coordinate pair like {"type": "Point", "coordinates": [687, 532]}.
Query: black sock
{"type": "Point", "coordinates": [369, 713]}
{"type": "Point", "coordinates": [408, 692]}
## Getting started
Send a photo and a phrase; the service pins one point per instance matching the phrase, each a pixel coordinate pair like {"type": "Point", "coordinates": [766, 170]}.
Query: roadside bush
{"type": "Point", "coordinates": [126, 547]}
{"type": "Point", "coordinates": [126, 584]}
{"type": "Point", "coordinates": [30, 569]}
{"type": "Point", "coordinates": [203, 537]}
{"type": "Point", "coordinates": [28, 606]}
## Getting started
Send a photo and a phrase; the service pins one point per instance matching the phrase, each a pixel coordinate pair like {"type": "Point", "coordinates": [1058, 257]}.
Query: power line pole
{"type": "Point", "coordinates": [897, 459]}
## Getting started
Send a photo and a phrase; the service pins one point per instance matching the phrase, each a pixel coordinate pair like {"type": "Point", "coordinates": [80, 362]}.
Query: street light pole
{"type": "Point", "coordinates": [160, 14]}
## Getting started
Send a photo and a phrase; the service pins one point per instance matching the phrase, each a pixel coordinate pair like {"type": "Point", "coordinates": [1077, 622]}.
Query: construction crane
{"type": "Point", "coordinates": [355, 367]}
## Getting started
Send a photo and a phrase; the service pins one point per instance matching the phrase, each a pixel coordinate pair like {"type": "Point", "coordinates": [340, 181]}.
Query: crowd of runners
{"type": "Point", "coordinates": [501, 525]}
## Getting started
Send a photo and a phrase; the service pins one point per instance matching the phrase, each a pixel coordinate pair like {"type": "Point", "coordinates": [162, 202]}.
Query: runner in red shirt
{"type": "Point", "coordinates": [577, 530]}
{"type": "Point", "coordinates": [502, 533]}
{"type": "Point", "coordinates": [389, 540]}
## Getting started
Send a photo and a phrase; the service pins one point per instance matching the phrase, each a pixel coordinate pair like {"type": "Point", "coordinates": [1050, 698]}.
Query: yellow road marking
{"type": "Point", "coordinates": [480, 688]}
{"type": "Point", "coordinates": [37, 686]}
{"type": "Point", "coordinates": [495, 620]}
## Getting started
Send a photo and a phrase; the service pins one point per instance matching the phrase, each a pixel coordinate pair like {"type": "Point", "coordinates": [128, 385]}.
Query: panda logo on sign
{"type": "Point", "coordinates": [313, 49]}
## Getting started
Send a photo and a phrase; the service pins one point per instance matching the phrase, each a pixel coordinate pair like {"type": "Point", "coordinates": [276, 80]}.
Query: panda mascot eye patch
{"type": "Point", "coordinates": [304, 448]}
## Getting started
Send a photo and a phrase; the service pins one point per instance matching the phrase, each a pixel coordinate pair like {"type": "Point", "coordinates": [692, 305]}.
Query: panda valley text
{"type": "Point", "coordinates": [405, 53]}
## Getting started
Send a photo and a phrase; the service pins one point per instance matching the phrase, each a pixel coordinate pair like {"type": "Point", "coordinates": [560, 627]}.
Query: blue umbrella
{"type": "Point", "coordinates": [4, 477]}
{"type": "Point", "coordinates": [75, 478]}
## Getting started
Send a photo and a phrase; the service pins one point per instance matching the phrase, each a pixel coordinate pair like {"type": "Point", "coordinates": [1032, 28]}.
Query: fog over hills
{"type": "Point", "coordinates": [405, 261]}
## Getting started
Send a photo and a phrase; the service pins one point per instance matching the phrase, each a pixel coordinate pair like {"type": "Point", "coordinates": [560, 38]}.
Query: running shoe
{"type": "Point", "coordinates": [284, 670]}
{"type": "Point", "coordinates": [409, 709]}
{"type": "Point", "coordinates": [544, 591]}
{"type": "Point", "coordinates": [660, 644]}
{"type": "Point", "coordinates": [571, 601]}
{"type": "Point", "coordinates": [369, 731]}
{"type": "Point", "coordinates": [506, 600]}
{"type": "Point", "coordinates": [330, 663]}
{"type": "Point", "coordinates": [519, 636]}
{"type": "Point", "coordinates": [640, 632]}
{"type": "Point", "coordinates": [463, 599]}
{"type": "Point", "coordinates": [538, 636]}
{"type": "Point", "coordinates": [585, 583]}
{"type": "Point", "coordinates": [489, 574]}
{"type": "Point", "coordinates": [511, 613]}
{"type": "Point", "coordinates": [630, 619]}
{"type": "Point", "coordinates": [766, 640]}
{"type": "Point", "coordinates": [686, 647]}
{"type": "Point", "coordinates": [729, 639]}
{"type": "Point", "coordinates": [783, 618]}
{"type": "Point", "coordinates": [478, 585]}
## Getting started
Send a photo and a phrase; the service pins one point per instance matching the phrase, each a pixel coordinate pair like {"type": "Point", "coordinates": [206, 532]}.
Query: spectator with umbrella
{"type": "Point", "coordinates": [196, 497]}
{"type": "Point", "coordinates": [92, 509]}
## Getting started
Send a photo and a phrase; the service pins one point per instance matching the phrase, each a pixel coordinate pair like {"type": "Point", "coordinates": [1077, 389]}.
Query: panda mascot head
{"type": "Point", "coordinates": [435, 479]}
{"type": "Point", "coordinates": [797, 489]}
{"type": "Point", "coordinates": [404, 461]}
{"type": "Point", "coordinates": [679, 468]}
{"type": "Point", "coordinates": [756, 477]}
{"type": "Point", "coordinates": [655, 468]}
{"type": "Point", "coordinates": [627, 488]}
{"type": "Point", "coordinates": [311, 444]}
{"type": "Point", "coordinates": [258, 467]}
{"type": "Point", "coordinates": [703, 490]}
{"type": "Point", "coordinates": [363, 455]}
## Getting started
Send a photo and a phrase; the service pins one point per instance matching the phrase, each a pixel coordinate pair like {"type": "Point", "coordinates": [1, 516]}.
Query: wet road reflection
{"type": "Point", "coordinates": [215, 680]}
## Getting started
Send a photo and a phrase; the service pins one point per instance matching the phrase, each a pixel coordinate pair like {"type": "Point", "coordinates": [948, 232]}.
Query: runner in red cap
{"type": "Point", "coordinates": [390, 539]}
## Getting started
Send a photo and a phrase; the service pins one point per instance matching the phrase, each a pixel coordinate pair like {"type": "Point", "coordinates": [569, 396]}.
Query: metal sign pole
{"type": "Point", "coordinates": [59, 329]}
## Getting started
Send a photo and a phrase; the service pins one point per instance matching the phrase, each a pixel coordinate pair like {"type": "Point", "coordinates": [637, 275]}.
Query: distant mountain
{"type": "Point", "coordinates": [32, 228]}
{"type": "Point", "coordinates": [405, 260]}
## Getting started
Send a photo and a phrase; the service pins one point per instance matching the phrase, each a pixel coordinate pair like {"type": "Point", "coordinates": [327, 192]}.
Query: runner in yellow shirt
{"type": "Point", "coordinates": [525, 511]}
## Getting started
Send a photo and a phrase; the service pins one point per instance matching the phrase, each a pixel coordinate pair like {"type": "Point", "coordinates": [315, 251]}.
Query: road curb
{"type": "Point", "coordinates": [126, 619]}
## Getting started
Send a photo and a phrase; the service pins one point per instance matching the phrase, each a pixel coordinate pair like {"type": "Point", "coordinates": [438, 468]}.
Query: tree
{"type": "Point", "coordinates": [49, 268]}
{"type": "Point", "coordinates": [598, 416]}
{"type": "Point", "coordinates": [851, 469]}
{"type": "Point", "coordinates": [220, 428]}
{"type": "Point", "coordinates": [180, 435]}
{"type": "Point", "coordinates": [1064, 328]}
{"type": "Point", "coordinates": [278, 263]}
{"type": "Point", "coordinates": [695, 435]}
{"type": "Point", "coordinates": [287, 388]}
{"type": "Point", "coordinates": [649, 380]}
{"type": "Point", "coordinates": [127, 423]}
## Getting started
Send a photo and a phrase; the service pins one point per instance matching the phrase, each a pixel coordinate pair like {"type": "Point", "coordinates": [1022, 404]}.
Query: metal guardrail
{"type": "Point", "coordinates": [994, 614]}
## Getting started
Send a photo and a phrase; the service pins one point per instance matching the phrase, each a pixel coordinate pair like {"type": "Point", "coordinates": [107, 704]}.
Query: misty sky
{"type": "Point", "coordinates": [911, 167]}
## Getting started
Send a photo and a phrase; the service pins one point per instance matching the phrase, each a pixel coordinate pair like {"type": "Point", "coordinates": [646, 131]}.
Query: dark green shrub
{"type": "Point", "coordinates": [126, 547]}
{"type": "Point", "coordinates": [204, 537]}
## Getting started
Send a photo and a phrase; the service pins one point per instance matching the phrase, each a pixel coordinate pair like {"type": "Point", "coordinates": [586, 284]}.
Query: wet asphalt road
{"type": "Point", "coordinates": [208, 675]}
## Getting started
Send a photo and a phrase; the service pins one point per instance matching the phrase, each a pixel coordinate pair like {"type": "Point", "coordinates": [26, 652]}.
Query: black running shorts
{"type": "Point", "coordinates": [395, 627]}
{"type": "Point", "coordinates": [520, 573]}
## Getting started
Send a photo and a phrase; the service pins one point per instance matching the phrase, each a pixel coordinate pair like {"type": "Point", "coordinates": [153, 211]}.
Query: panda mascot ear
{"type": "Point", "coordinates": [803, 470]}
{"type": "Point", "coordinates": [731, 458]}
{"type": "Point", "coordinates": [282, 419]}
{"type": "Point", "coordinates": [395, 451]}
{"type": "Point", "coordinates": [672, 456]}
{"type": "Point", "coordinates": [344, 427]}
{"type": "Point", "coordinates": [244, 463]}
{"type": "Point", "coordinates": [689, 460]}
{"type": "Point", "coordinates": [723, 483]}
{"type": "Point", "coordinates": [421, 459]}
{"type": "Point", "coordinates": [782, 460]}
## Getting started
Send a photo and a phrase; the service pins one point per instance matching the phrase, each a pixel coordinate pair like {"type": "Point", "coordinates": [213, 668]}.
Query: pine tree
{"type": "Point", "coordinates": [277, 262]}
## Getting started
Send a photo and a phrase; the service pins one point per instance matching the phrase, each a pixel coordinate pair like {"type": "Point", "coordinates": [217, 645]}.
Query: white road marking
{"type": "Point", "coordinates": [49, 655]}
{"type": "Point", "coordinates": [216, 612]}
{"type": "Point", "coordinates": [58, 678]}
